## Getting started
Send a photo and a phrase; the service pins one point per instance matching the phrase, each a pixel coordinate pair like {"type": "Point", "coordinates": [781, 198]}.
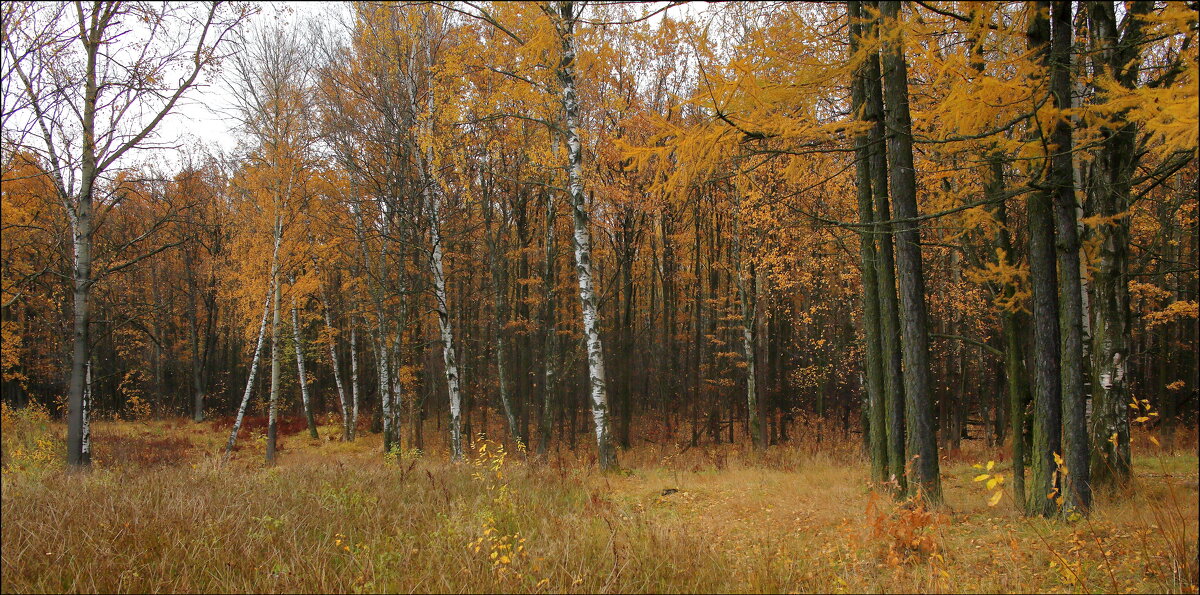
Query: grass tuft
{"type": "Point", "coordinates": [162, 513]}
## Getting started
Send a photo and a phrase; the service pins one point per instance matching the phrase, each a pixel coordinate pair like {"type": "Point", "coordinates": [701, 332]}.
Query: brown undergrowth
{"type": "Point", "coordinates": [161, 512]}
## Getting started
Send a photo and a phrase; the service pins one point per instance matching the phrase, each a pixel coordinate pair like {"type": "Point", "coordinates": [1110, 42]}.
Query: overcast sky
{"type": "Point", "coordinates": [200, 118]}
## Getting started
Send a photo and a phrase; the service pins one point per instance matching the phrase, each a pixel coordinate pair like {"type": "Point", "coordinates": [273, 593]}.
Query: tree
{"type": "Point", "coordinates": [1076, 486]}
{"type": "Point", "coordinates": [272, 79]}
{"type": "Point", "coordinates": [1129, 71]}
{"type": "Point", "coordinates": [873, 349]}
{"type": "Point", "coordinates": [922, 437]}
{"type": "Point", "coordinates": [565, 17]}
{"type": "Point", "coordinates": [82, 85]}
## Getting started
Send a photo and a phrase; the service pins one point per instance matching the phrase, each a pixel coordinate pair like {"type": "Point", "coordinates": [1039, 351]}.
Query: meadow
{"type": "Point", "coordinates": [161, 511]}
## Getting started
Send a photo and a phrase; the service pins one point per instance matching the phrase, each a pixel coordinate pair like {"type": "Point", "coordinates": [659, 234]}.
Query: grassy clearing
{"type": "Point", "coordinates": [161, 513]}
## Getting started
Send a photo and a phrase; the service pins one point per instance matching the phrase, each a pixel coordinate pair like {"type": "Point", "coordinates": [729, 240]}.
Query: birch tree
{"type": "Point", "coordinates": [423, 61]}
{"type": "Point", "coordinates": [565, 15]}
{"type": "Point", "coordinates": [272, 78]}
{"type": "Point", "coordinates": [301, 376]}
{"type": "Point", "coordinates": [95, 82]}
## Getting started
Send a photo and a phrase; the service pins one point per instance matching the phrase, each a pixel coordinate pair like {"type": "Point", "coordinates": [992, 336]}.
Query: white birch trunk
{"type": "Point", "coordinates": [431, 189]}
{"type": "Point", "coordinates": [353, 378]}
{"type": "Point", "coordinates": [606, 456]}
{"type": "Point", "coordinates": [337, 374]}
{"type": "Point", "coordinates": [397, 388]}
{"type": "Point", "coordinates": [447, 332]}
{"type": "Point", "coordinates": [746, 294]}
{"type": "Point", "coordinates": [273, 408]}
{"type": "Point", "coordinates": [87, 420]}
{"type": "Point", "coordinates": [308, 414]}
{"type": "Point", "coordinates": [262, 331]}
{"type": "Point", "coordinates": [385, 388]}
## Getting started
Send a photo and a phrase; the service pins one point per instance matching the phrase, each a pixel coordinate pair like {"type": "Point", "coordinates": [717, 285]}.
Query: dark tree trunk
{"type": "Point", "coordinates": [922, 436]}
{"type": "Point", "coordinates": [1076, 487]}
{"type": "Point", "coordinates": [1109, 188]}
{"type": "Point", "coordinates": [873, 351]}
{"type": "Point", "coordinates": [889, 308]}
{"type": "Point", "coordinates": [1047, 422]}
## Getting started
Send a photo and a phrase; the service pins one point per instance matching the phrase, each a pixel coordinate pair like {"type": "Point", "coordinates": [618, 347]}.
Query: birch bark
{"type": "Point", "coordinates": [273, 407]}
{"type": "Point", "coordinates": [237, 424]}
{"type": "Point", "coordinates": [432, 193]}
{"type": "Point", "coordinates": [308, 413]}
{"type": "Point", "coordinates": [333, 362]}
{"type": "Point", "coordinates": [606, 455]}
{"type": "Point", "coordinates": [353, 378]}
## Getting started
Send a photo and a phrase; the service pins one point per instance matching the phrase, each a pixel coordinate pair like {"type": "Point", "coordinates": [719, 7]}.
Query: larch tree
{"type": "Point", "coordinates": [922, 434]}
{"type": "Point", "coordinates": [1075, 479]}
{"type": "Point", "coordinates": [868, 249]}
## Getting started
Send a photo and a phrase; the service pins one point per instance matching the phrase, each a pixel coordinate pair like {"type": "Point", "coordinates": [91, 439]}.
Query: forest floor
{"type": "Point", "coordinates": [161, 512]}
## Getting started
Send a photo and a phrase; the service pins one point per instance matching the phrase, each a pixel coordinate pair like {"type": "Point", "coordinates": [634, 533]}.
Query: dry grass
{"type": "Point", "coordinates": [161, 513]}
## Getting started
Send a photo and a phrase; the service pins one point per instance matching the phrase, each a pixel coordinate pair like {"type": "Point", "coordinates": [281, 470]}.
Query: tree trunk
{"type": "Point", "coordinates": [889, 309]}
{"type": "Point", "coordinates": [746, 295]}
{"type": "Point", "coordinates": [81, 228]}
{"type": "Point", "coordinates": [337, 374]}
{"type": "Point", "coordinates": [922, 437]}
{"type": "Point", "coordinates": [273, 408]}
{"type": "Point", "coordinates": [353, 378]}
{"type": "Point", "coordinates": [550, 330]}
{"type": "Point", "coordinates": [605, 454]}
{"type": "Point", "coordinates": [501, 313]}
{"type": "Point", "coordinates": [87, 424]}
{"type": "Point", "coordinates": [308, 412]}
{"type": "Point", "coordinates": [237, 423]}
{"type": "Point", "coordinates": [1013, 328]}
{"type": "Point", "coordinates": [1118, 56]}
{"type": "Point", "coordinates": [1076, 486]}
{"type": "Point", "coordinates": [872, 349]}
{"type": "Point", "coordinates": [1047, 426]}
{"type": "Point", "coordinates": [382, 370]}
{"type": "Point", "coordinates": [198, 354]}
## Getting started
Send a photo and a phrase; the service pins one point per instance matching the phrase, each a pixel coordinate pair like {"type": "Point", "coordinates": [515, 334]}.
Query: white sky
{"type": "Point", "coordinates": [198, 119]}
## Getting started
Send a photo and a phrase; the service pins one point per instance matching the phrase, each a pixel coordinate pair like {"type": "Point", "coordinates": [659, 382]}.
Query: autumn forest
{"type": "Point", "coordinates": [600, 296]}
